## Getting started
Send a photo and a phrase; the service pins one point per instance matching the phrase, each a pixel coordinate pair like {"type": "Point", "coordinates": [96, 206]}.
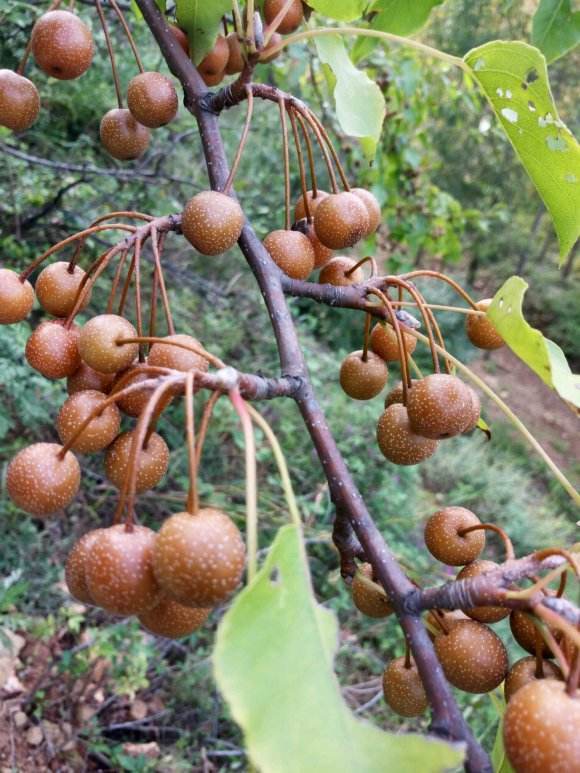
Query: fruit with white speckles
{"type": "Point", "coordinates": [474, 411]}
{"type": "Point", "coordinates": [292, 252]}
{"type": "Point", "coordinates": [98, 343]}
{"type": "Point", "coordinates": [123, 137]}
{"type": "Point", "coordinates": [397, 441]}
{"type": "Point", "coordinates": [363, 379]}
{"type": "Point", "coordinates": [62, 45]}
{"type": "Point", "coordinates": [335, 272]}
{"type": "Point", "coordinates": [236, 59]}
{"type": "Point", "coordinates": [53, 349]}
{"type": "Point", "coordinates": [372, 206]}
{"type": "Point", "coordinates": [482, 614]}
{"type": "Point", "coordinates": [56, 288]}
{"type": "Point", "coordinates": [541, 729]}
{"type": "Point", "coordinates": [439, 406]}
{"type": "Point", "coordinates": [40, 482]}
{"type": "Point", "coordinates": [19, 101]}
{"type": "Point", "coordinates": [291, 20]}
{"type": "Point", "coordinates": [480, 330]}
{"type": "Point", "coordinates": [395, 395]}
{"type": "Point", "coordinates": [85, 377]}
{"type": "Point", "coordinates": [472, 656]}
{"type": "Point", "coordinates": [322, 254]}
{"type": "Point", "coordinates": [341, 220]}
{"type": "Point", "coordinates": [119, 570]}
{"type": "Point", "coordinates": [152, 99]}
{"type": "Point", "coordinates": [199, 559]}
{"type": "Point", "coordinates": [16, 297]}
{"type": "Point", "coordinates": [403, 688]}
{"type": "Point", "coordinates": [152, 461]}
{"type": "Point", "coordinates": [368, 597]}
{"type": "Point", "coordinates": [134, 402]}
{"type": "Point", "coordinates": [526, 633]}
{"type": "Point", "coordinates": [172, 620]}
{"type": "Point", "coordinates": [212, 67]}
{"type": "Point", "coordinates": [75, 570]}
{"type": "Point", "coordinates": [212, 222]}
{"type": "Point", "coordinates": [300, 209]}
{"type": "Point", "coordinates": [384, 342]}
{"type": "Point", "coordinates": [444, 541]}
{"type": "Point", "coordinates": [168, 356]}
{"type": "Point", "coordinates": [525, 671]}
{"type": "Point", "coordinates": [101, 430]}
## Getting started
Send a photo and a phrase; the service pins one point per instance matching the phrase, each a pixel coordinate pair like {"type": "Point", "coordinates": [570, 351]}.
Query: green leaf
{"type": "Point", "coordinates": [360, 105]}
{"type": "Point", "coordinates": [136, 11]}
{"type": "Point", "coordinates": [402, 17]}
{"type": "Point", "coordinates": [273, 662]}
{"type": "Point", "coordinates": [341, 10]}
{"type": "Point", "coordinates": [499, 759]}
{"type": "Point", "coordinates": [201, 20]}
{"type": "Point", "coordinates": [556, 28]}
{"type": "Point", "coordinates": [540, 354]}
{"type": "Point", "coordinates": [514, 77]}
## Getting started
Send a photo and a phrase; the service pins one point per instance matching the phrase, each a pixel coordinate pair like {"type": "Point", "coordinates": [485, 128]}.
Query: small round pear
{"type": "Point", "coordinates": [152, 461]}
{"type": "Point", "coordinates": [172, 620]}
{"type": "Point", "coordinates": [397, 441]}
{"type": "Point", "coordinates": [57, 287]}
{"type": "Point", "coordinates": [214, 63]}
{"type": "Point", "coordinates": [152, 99]}
{"type": "Point", "coordinates": [384, 342]}
{"type": "Point", "coordinates": [180, 38]}
{"type": "Point", "coordinates": [322, 254]}
{"type": "Point", "coordinates": [236, 61]}
{"type": "Point", "coordinates": [40, 482]}
{"type": "Point", "coordinates": [53, 349]}
{"type": "Point", "coordinates": [443, 538]}
{"type": "Point", "coordinates": [101, 430]}
{"type": "Point", "coordinates": [473, 657]}
{"type": "Point", "coordinates": [99, 347]}
{"type": "Point", "coordinates": [75, 570]}
{"type": "Point", "coordinates": [525, 671]}
{"type": "Point", "coordinates": [87, 378]}
{"type": "Point", "coordinates": [291, 20]}
{"type": "Point", "coordinates": [292, 252]}
{"type": "Point", "coordinates": [363, 379]}
{"type": "Point", "coordinates": [62, 45]}
{"type": "Point", "coordinates": [528, 635]}
{"type": "Point", "coordinates": [134, 402]}
{"type": "Point", "coordinates": [395, 395]}
{"type": "Point", "coordinates": [439, 406]}
{"type": "Point", "coordinates": [164, 355]}
{"type": "Point", "coordinates": [313, 202]}
{"type": "Point", "coordinates": [372, 206]}
{"type": "Point", "coordinates": [482, 614]}
{"type": "Point", "coordinates": [341, 220]}
{"type": "Point", "coordinates": [338, 272]}
{"type": "Point", "coordinates": [480, 330]}
{"type": "Point", "coordinates": [403, 688]}
{"type": "Point", "coordinates": [473, 413]}
{"type": "Point", "coordinates": [16, 297]}
{"type": "Point", "coordinates": [368, 597]}
{"type": "Point", "coordinates": [19, 101]}
{"type": "Point", "coordinates": [212, 222]}
{"type": "Point", "coordinates": [122, 135]}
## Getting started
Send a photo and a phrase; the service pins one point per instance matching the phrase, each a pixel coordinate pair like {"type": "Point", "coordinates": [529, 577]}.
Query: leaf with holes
{"type": "Point", "coordinates": [556, 28]}
{"type": "Point", "coordinates": [540, 354]}
{"type": "Point", "coordinates": [201, 20]}
{"type": "Point", "coordinates": [514, 78]}
{"type": "Point", "coordinates": [273, 662]}
{"type": "Point", "coordinates": [360, 105]}
{"type": "Point", "coordinates": [341, 10]}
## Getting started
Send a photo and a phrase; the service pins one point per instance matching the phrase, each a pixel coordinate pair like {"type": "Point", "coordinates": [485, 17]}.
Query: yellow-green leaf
{"type": "Point", "coordinates": [341, 10]}
{"type": "Point", "coordinates": [273, 662]}
{"type": "Point", "coordinates": [514, 77]}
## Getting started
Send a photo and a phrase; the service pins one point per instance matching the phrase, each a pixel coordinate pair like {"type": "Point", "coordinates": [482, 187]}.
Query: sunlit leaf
{"type": "Point", "coordinates": [540, 354]}
{"type": "Point", "coordinates": [341, 10]}
{"type": "Point", "coordinates": [514, 78]}
{"type": "Point", "coordinates": [201, 20]}
{"type": "Point", "coordinates": [556, 28]}
{"type": "Point", "coordinates": [273, 661]}
{"type": "Point", "coordinates": [402, 17]}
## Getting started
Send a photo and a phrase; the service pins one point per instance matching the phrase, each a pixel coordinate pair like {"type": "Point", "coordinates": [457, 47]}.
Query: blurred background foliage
{"type": "Point", "coordinates": [453, 197]}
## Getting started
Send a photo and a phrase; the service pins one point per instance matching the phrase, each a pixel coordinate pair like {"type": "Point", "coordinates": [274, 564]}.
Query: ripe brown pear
{"type": "Point", "coordinates": [439, 406]}
{"type": "Point", "coordinates": [341, 220]}
{"type": "Point", "coordinates": [180, 38]}
{"type": "Point", "coordinates": [101, 430]}
{"type": "Point", "coordinates": [62, 45]}
{"type": "Point", "coordinates": [212, 222]}
{"type": "Point", "coordinates": [19, 102]}
{"type": "Point", "coordinates": [53, 349]}
{"type": "Point", "coordinates": [236, 61]}
{"type": "Point", "coordinates": [525, 671]}
{"type": "Point", "coordinates": [403, 688]}
{"type": "Point", "coordinates": [57, 287]}
{"type": "Point", "coordinates": [292, 252]}
{"type": "Point", "coordinates": [396, 394]}
{"type": "Point", "coordinates": [368, 597]}
{"type": "Point", "coordinates": [75, 574]}
{"type": "Point", "coordinates": [99, 347]}
{"type": "Point", "coordinates": [212, 67]}
{"type": "Point", "coordinates": [322, 254]}
{"type": "Point", "coordinates": [482, 614]}
{"type": "Point", "coordinates": [481, 331]}
{"type": "Point", "coordinates": [526, 633]}
{"type": "Point", "coordinates": [172, 620]}
{"type": "Point", "coordinates": [291, 20]}
{"type": "Point", "coordinates": [152, 461]}
{"type": "Point", "coordinates": [335, 272]}
{"type": "Point", "coordinates": [397, 441]}
{"type": "Point", "coordinates": [152, 99]}
{"type": "Point", "coordinates": [16, 297]}
{"type": "Point", "coordinates": [372, 206]}
{"type": "Point", "coordinates": [300, 209]}
{"type": "Point", "coordinates": [123, 137]}
{"type": "Point", "coordinates": [164, 355]}
{"type": "Point", "coordinates": [384, 342]}
{"type": "Point", "coordinates": [443, 539]}
{"type": "Point", "coordinates": [134, 402]}
{"type": "Point", "coordinates": [473, 414]}
{"type": "Point", "coordinates": [363, 379]}
{"type": "Point", "coordinates": [87, 378]}
{"type": "Point", "coordinates": [40, 482]}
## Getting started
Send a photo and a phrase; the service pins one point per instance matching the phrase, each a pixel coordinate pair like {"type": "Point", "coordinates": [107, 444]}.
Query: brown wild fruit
{"type": "Point", "coordinates": [75, 574]}
{"type": "Point", "coordinates": [444, 541]}
{"type": "Point", "coordinates": [133, 403]}
{"type": "Point", "coordinates": [439, 406]}
{"type": "Point", "coordinates": [123, 137]}
{"type": "Point", "coordinates": [87, 378]}
{"type": "Point", "coordinates": [40, 482]}
{"type": "Point", "coordinates": [56, 288]}
{"type": "Point", "coordinates": [152, 99]}
{"type": "Point", "coordinates": [525, 671]}
{"type": "Point", "coordinates": [98, 345]}
{"type": "Point", "coordinates": [265, 55]}
{"type": "Point", "coordinates": [152, 461]}
{"type": "Point", "coordinates": [300, 209]}
{"type": "Point", "coordinates": [384, 342]}
{"type": "Point", "coordinates": [473, 412]}
{"type": "Point", "coordinates": [373, 208]}
{"type": "Point", "coordinates": [367, 596]}
{"type": "Point", "coordinates": [526, 633]}
{"type": "Point", "coordinates": [172, 620]}
{"type": "Point", "coordinates": [62, 45]}
{"type": "Point", "coordinates": [168, 356]}
{"type": "Point", "coordinates": [482, 614]}
{"type": "Point", "coordinates": [199, 559]}
{"type": "Point", "coordinates": [403, 688]}
{"type": "Point", "coordinates": [397, 441]}
{"type": "Point", "coordinates": [396, 394]}
{"type": "Point", "coordinates": [363, 379]}
{"type": "Point", "coordinates": [236, 60]}
{"type": "Point", "coordinates": [541, 729]}
{"type": "Point", "coordinates": [322, 254]}
{"type": "Point", "coordinates": [473, 657]}
{"type": "Point", "coordinates": [292, 252]}
{"type": "Point", "coordinates": [19, 101]}
{"type": "Point", "coordinates": [102, 429]}
{"type": "Point", "coordinates": [16, 297]}
{"type": "Point", "coordinates": [291, 20]}
{"type": "Point", "coordinates": [53, 350]}
{"type": "Point", "coordinates": [212, 222]}
{"type": "Point", "coordinates": [341, 220]}
{"type": "Point", "coordinates": [480, 330]}
{"type": "Point", "coordinates": [213, 65]}
{"type": "Point", "coordinates": [180, 38]}
{"type": "Point", "coordinates": [335, 272]}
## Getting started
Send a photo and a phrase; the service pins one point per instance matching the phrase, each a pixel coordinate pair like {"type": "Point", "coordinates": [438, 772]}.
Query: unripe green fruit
{"type": "Point", "coordinates": [168, 356]}
{"type": "Point", "coordinates": [524, 671]}
{"type": "Point", "coordinates": [300, 209]}
{"type": "Point", "coordinates": [403, 689]}
{"type": "Point", "coordinates": [384, 342]}
{"type": "Point", "coordinates": [152, 99]}
{"type": "Point", "coordinates": [335, 272]}
{"type": "Point", "coordinates": [341, 220]}
{"type": "Point", "coordinates": [291, 20]}
{"type": "Point", "coordinates": [482, 614]}
{"type": "Point", "coordinates": [40, 482]}
{"type": "Point", "coordinates": [152, 461]}
{"type": "Point", "coordinates": [86, 378]}
{"type": "Point", "coordinates": [292, 252]}
{"type": "Point", "coordinates": [439, 406]}
{"type": "Point", "coordinates": [363, 379]}
{"type": "Point", "coordinates": [397, 441]}
{"type": "Point", "coordinates": [53, 350]}
{"type": "Point", "coordinates": [62, 45]}
{"type": "Point", "coordinates": [123, 137]}
{"type": "Point", "coordinates": [367, 596]}
{"type": "Point", "coordinates": [372, 206]}
{"type": "Point", "coordinates": [481, 331]}
{"type": "Point", "coordinates": [526, 634]}
{"type": "Point", "coordinates": [56, 288]}
{"type": "Point", "coordinates": [213, 65]}
{"type": "Point", "coordinates": [102, 429]}
{"type": "Point", "coordinates": [472, 656]}
{"type": "Point", "coordinates": [19, 101]}
{"type": "Point", "coordinates": [444, 541]}
{"type": "Point", "coordinates": [173, 620]}
{"type": "Point", "coordinates": [16, 297]}
{"type": "Point", "coordinates": [236, 61]}
{"type": "Point", "coordinates": [212, 222]}
{"type": "Point", "coordinates": [98, 345]}
{"type": "Point", "coordinates": [75, 573]}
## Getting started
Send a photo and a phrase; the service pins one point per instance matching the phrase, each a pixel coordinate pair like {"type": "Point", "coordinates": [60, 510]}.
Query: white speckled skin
{"type": "Point", "coordinates": [152, 462]}
{"type": "Point", "coordinates": [341, 220]}
{"type": "Point", "coordinates": [292, 252]}
{"type": "Point", "coordinates": [16, 297]}
{"type": "Point", "coordinates": [75, 567]}
{"type": "Point", "coordinates": [480, 330]}
{"type": "Point", "coordinates": [439, 406]}
{"type": "Point", "coordinates": [397, 441]}
{"type": "Point", "coordinates": [212, 222]}
{"type": "Point", "coordinates": [53, 350]}
{"type": "Point", "coordinates": [152, 99]}
{"type": "Point", "coordinates": [167, 356]}
{"type": "Point", "coordinates": [525, 632]}
{"type": "Point", "coordinates": [41, 483]}
{"type": "Point", "coordinates": [443, 540]}
{"type": "Point", "coordinates": [360, 379]}
{"type": "Point", "coordinates": [291, 20]}
{"type": "Point", "coordinates": [19, 101]}
{"type": "Point", "coordinates": [383, 342]}
{"type": "Point", "coordinates": [473, 657]}
{"type": "Point", "coordinates": [122, 136]}
{"type": "Point", "coordinates": [300, 210]}
{"type": "Point", "coordinates": [173, 620]}
{"type": "Point", "coordinates": [199, 559]}
{"type": "Point", "coordinates": [62, 45]}
{"type": "Point", "coordinates": [98, 343]}
{"type": "Point", "coordinates": [56, 288]}
{"type": "Point", "coordinates": [334, 272]}
{"type": "Point", "coordinates": [524, 671]}
{"type": "Point", "coordinates": [482, 614]}
{"type": "Point", "coordinates": [87, 378]}
{"type": "Point", "coordinates": [372, 602]}
{"type": "Point", "coordinates": [372, 206]}
{"type": "Point", "coordinates": [542, 729]}
{"type": "Point", "coordinates": [101, 431]}
{"type": "Point", "coordinates": [403, 689]}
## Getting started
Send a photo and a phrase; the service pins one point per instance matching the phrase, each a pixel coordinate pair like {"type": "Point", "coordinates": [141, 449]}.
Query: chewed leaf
{"type": "Point", "coordinates": [273, 661]}
{"type": "Point", "coordinates": [556, 28]}
{"type": "Point", "coordinates": [201, 20]}
{"type": "Point", "coordinates": [540, 354]}
{"type": "Point", "coordinates": [514, 77]}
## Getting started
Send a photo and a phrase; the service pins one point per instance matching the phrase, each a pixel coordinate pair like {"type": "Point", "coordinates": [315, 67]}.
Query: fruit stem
{"type": "Point", "coordinates": [540, 555]}
{"type": "Point", "coordinates": [300, 156]}
{"type": "Point", "coordinates": [539, 671]}
{"type": "Point", "coordinates": [251, 482]}
{"type": "Point", "coordinates": [408, 663]}
{"type": "Point", "coordinates": [361, 262]}
{"type": "Point", "coordinates": [539, 585]}
{"type": "Point", "coordinates": [509, 548]}
{"type": "Point", "coordinates": [419, 300]}
{"type": "Point", "coordinates": [271, 28]}
{"type": "Point", "coordinates": [366, 339]}
{"type": "Point", "coordinates": [116, 280]}
{"type": "Point", "coordinates": [281, 463]}
{"type": "Point", "coordinates": [243, 140]}
{"type": "Point", "coordinates": [215, 361]}
{"type": "Point", "coordinates": [108, 216]}
{"type": "Point", "coordinates": [424, 272]}
{"type": "Point", "coordinates": [507, 411]}
{"type": "Point", "coordinates": [192, 495]}
{"type": "Point", "coordinates": [111, 54]}
{"type": "Point", "coordinates": [153, 304]}
{"type": "Point", "coordinates": [138, 310]}
{"type": "Point", "coordinates": [250, 21]}
{"type": "Point", "coordinates": [204, 425]}
{"type": "Point", "coordinates": [405, 377]}
{"type": "Point", "coordinates": [441, 307]}
{"type": "Point", "coordinates": [554, 620]}
{"type": "Point", "coordinates": [439, 617]}
{"type": "Point", "coordinates": [88, 282]}
{"type": "Point", "coordinates": [157, 248]}
{"type": "Point", "coordinates": [310, 154]}
{"type": "Point", "coordinates": [333, 152]}
{"type": "Point", "coordinates": [238, 25]}
{"type": "Point", "coordinates": [130, 38]}
{"type": "Point", "coordinates": [322, 145]}
{"type": "Point", "coordinates": [286, 161]}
